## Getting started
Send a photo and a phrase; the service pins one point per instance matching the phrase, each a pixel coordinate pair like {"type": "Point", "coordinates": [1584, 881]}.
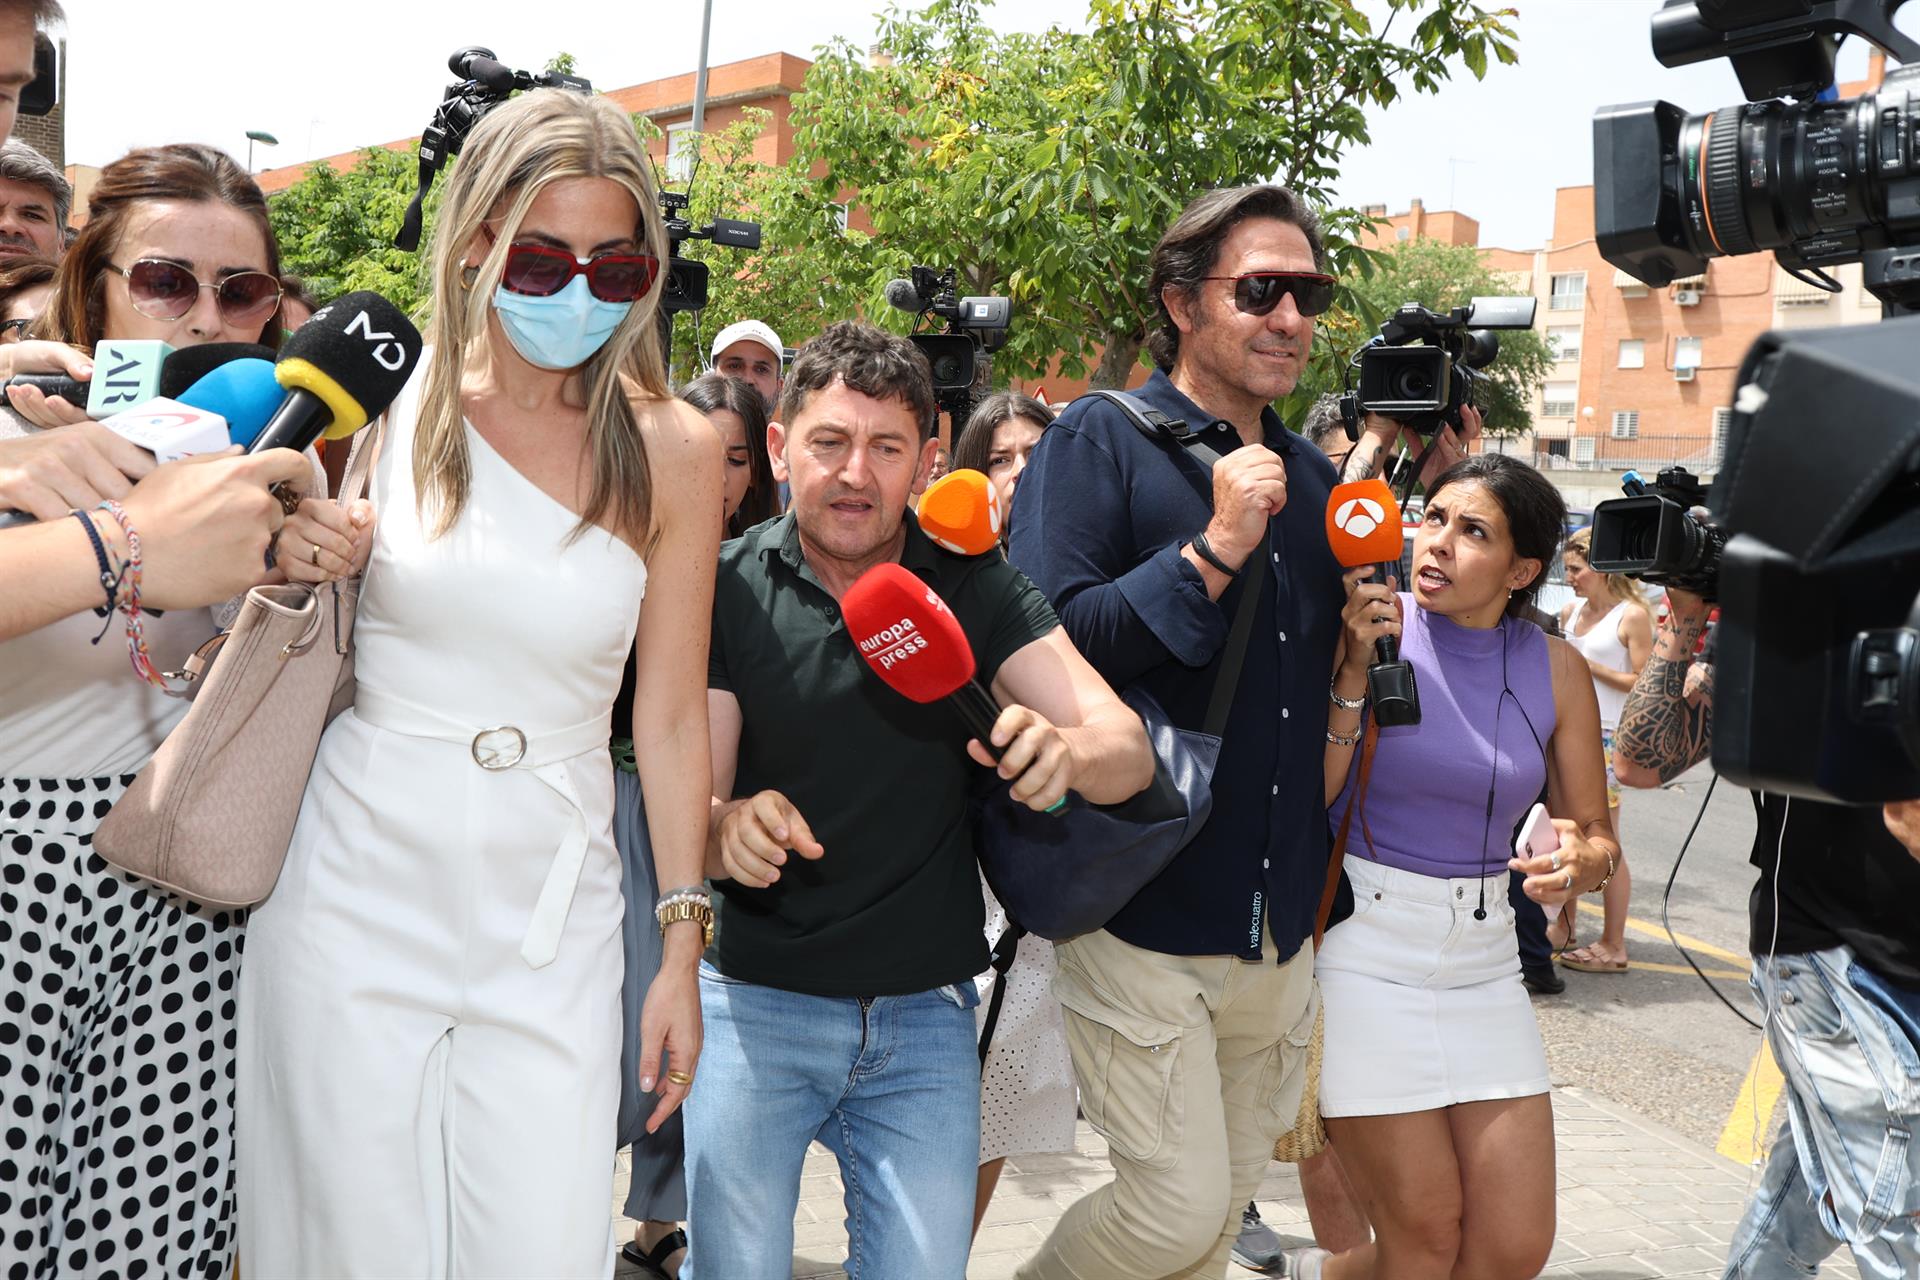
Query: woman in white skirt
{"type": "Point", "coordinates": [430, 1011]}
{"type": "Point", "coordinates": [1435, 1079]}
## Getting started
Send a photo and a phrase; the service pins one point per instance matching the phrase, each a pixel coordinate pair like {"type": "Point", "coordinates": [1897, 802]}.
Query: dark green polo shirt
{"type": "Point", "coordinates": [893, 906]}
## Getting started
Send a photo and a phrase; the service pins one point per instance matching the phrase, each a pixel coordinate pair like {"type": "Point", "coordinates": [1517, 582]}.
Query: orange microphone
{"type": "Point", "coordinates": [961, 512]}
{"type": "Point", "coordinates": [1363, 527]}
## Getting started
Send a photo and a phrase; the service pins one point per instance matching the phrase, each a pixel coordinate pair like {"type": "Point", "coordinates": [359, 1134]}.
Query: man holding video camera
{"type": "Point", "coordinates": [1836, 946]}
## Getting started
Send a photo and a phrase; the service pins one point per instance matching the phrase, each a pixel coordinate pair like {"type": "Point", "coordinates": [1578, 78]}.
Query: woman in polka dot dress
{"type": "Point", "coordinates": [117, 1044]}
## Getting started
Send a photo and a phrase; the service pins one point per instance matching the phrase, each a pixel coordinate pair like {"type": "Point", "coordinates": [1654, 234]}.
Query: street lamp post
{"type": "Point", "coordinates": [264, 138]}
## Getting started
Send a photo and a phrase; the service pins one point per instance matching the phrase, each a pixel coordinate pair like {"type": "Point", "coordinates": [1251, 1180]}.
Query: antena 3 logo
{"type": "Point", "coordinates": [1359, 516]}
{"type": "Point", "coordinates": [893, 644]}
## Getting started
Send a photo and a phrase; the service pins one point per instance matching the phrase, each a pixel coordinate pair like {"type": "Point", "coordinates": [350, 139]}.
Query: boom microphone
{"type": "Point", "coordinates": [340, 370]}
{"type": "Point", "coordinates": [961, 513]}
{"type": "Point", "coordinates": [902, 294]}
{"type": "Point", "coordinates": [1363, 528]}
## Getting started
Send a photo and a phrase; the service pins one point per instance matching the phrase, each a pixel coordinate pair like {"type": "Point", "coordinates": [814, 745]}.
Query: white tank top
{"type": "Point", "coordinates": [1602, 644]}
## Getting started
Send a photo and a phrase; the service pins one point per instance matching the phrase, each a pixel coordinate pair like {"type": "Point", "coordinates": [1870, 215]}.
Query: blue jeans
{"type": "Point", "coordinates": [1851, 1173]}
{"type": "Point", "coordinates": [890, 1084]}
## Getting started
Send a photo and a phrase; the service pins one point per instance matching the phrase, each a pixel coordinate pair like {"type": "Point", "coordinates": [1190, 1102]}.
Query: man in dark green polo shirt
{"type": "Point", "coordinates": [838, 996]}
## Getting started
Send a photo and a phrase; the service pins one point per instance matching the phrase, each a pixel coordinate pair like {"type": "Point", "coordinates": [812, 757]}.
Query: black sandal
{"type": "Point", "coordinates": [653, 1261]}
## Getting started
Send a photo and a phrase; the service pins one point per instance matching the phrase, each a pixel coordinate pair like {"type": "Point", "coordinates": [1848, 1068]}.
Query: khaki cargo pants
{"type": "Point", "coordinates": [1190, 1067]}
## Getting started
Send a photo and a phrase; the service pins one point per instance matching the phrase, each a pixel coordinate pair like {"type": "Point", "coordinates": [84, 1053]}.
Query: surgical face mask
{"type": "Point", "coordinates": [562, 330]}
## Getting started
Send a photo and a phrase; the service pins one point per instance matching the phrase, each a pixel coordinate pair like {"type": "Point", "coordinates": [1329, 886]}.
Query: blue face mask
{"type": "Point", "coordinates": [561, 331]}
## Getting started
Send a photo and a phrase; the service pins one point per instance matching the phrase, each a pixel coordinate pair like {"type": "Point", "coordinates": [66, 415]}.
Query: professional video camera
{"type": "Point", "coordinates": [686, 278]}
{"type": "Point", "coordinates": [1424, 386]}
{"type": "Point", "coordinates": [1817, 674]}
{"type": "Point", "coordinates": [1650, 534]}
{"type": "Point", "coordinates": [974, 324]}
{"type": "Point", "coordinates": [1819, 182]}
{"type": "Point", "coordinates": [484, 84]}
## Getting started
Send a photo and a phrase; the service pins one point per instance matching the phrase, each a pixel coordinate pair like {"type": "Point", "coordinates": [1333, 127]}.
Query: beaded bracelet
{"type": "Point", "coordinates": [130, 572]}
{"type": "Point", "coordinates": [1346, 704]}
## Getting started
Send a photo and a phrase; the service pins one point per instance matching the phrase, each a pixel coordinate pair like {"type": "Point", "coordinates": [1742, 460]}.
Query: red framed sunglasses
{"type": "Point", "coordinates": [539, 271]}
{"type": "Point", "coordinates": [1258, 292]}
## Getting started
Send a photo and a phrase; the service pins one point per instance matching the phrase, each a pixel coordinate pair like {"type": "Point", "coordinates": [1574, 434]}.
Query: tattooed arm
{"type": "Point", "coordinates": [1667, 725]}
{"type": "Point", "coordinates": [1436, 453]}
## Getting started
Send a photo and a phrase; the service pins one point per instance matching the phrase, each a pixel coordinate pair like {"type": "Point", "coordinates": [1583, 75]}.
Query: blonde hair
{"type": "Point", "coordinates": [540, 137]}
{"type": "Point", "coordinates": [1622, 587]}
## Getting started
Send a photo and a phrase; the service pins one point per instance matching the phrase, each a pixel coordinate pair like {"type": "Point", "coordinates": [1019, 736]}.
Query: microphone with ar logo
{"type": "Point", "coordinates": [1363, 528]}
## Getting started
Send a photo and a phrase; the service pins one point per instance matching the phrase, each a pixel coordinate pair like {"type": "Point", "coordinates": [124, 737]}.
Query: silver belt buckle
{"type": "Point", "coordinates": [500, 747]}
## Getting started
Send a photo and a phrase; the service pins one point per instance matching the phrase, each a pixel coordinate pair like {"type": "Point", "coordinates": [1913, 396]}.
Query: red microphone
{"type": "Point", "coordinates": [961, 512]}
{"type": "Point", "coordinates": [1363, 527]}
{"type": "Point", "coordinates": [914, 643]}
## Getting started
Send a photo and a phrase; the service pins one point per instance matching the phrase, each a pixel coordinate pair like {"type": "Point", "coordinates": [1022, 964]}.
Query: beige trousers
{"type": "Point", "coordinates": [1190, 1067]}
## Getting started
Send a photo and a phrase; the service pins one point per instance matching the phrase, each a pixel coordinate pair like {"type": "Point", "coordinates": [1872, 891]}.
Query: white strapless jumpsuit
{"type": "Point", "coordinates": [429, 1032]}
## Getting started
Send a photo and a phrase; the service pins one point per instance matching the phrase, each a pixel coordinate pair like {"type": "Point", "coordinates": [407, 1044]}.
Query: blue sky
{"type": "Point", "coordinates": [353, 72]}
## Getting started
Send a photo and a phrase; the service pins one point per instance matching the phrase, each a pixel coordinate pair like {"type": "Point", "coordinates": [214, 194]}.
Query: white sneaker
{"type": "Point", "coordinates": [1302, 1263]}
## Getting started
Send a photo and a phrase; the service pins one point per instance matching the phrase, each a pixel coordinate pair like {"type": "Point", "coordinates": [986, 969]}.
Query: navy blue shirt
{"type": "Point", "coordinates": [1099, 519]}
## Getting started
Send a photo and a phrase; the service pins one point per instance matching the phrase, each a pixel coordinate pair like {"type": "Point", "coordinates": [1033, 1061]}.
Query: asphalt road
{"type": "Point", "coordinates": [1653, 1039]}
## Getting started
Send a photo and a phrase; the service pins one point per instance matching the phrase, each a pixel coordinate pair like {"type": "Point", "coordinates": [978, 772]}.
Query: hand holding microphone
{"type": "Point", "coordinates": [911, 639]}
{"type": "Point", "coordinates": [204, 524]}
{"type": "Point", "coordinates": [1363, 528]}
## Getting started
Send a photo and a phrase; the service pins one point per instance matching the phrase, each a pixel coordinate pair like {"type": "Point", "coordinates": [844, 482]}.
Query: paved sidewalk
{"type": "Point", "coordinates": [1637, 1202]}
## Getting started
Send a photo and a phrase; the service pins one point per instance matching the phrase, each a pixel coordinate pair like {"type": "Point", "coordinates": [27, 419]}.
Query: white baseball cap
{"type": "Point", "coordinates": [747, 331]}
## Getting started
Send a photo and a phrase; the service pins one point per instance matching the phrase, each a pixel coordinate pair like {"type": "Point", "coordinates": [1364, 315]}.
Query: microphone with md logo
{"type": "Point", "coordinates": [340, 370]}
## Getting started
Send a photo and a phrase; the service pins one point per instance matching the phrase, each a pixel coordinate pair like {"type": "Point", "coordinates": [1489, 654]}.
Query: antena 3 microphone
{"type": "Point", "coordinates": [960, 512]}
{"type": "Point", "coordinates": [340, 370]}
{"type": "Point", "coordinates": [1363, 527]}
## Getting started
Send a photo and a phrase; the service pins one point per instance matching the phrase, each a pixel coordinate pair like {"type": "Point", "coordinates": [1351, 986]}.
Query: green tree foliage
{"type": "Point", "coordinates": [1046, 166]}
{"type": "Point", "coordinates": [1439, 277]}
{"type": "Point", "coordinates": [336, 229]}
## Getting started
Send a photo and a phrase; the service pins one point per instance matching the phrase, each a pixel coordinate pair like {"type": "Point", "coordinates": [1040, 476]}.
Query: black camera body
{"type": "Point", "coordinates": [1819, 183]}
{"type": "Point", "coordinates": [1423, 367]}
{"type": "Point", "coordinates": [974, 325]}
{"type": "Point", "coordinates": [686, 283]}
{"type": "Point", "coordinates": [1650, 534]}
{"type": "Point", "coordinates": [484, 84]}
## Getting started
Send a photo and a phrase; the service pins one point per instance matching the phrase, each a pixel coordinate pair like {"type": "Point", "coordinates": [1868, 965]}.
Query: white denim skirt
{"type": "Point", "coordinates": [1424, 1005]}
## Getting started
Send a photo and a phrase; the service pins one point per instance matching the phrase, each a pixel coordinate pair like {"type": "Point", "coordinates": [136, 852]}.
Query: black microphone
{"type": "Point", "coordinates": [478, 64]}
{"type": "Point", "coordinates": [190, 364]}
{"type": "Point", "coordinates": [341, 369]}
{"type": "Point", "coordinates": [902, 294]}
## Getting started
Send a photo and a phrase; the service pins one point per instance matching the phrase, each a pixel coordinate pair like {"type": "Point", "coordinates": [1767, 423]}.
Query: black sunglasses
{"type": "Point", "coordinates": [1259, 292]}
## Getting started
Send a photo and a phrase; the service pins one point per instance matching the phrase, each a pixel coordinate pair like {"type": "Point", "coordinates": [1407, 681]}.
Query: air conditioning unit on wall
{"type": "Point", "coordinates": [1686, 297]}
{"type": "Point", "coordinates": [1683, 375]}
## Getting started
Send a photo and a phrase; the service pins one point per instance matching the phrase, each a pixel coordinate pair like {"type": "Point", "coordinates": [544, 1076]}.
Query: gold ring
{"type": "Point", "coordinates": [680, 1078]}
{"type": "Point", "coordinates": [316, 555]}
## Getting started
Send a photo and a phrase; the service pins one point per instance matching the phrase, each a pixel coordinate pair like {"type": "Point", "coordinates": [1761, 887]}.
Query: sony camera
{"type": "Point", "coordinates": [1651, 535]}
{"type": "Point", "coordinates": [1424, 366]}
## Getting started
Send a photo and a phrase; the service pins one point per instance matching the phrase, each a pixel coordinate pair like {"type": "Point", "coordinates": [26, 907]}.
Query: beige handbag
{"type": "Point", "coordinates": [212, 814]}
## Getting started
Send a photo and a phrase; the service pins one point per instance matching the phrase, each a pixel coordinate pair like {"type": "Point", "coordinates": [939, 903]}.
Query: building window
{"type": "Point", "coordinates": [1626, 424]}
{"type": "Point", "coordinates": [1583, 449]}
{"type": "Point", "coordinates": [1563, 340]}
{"type": "Point", "coordinates": [1633, 353]}
{"type": "Point", "coordinates": [1568, 292]}
{"type": "Point", "coordinates": [1686, 353]}
{"type": "Point", "coordinates": [1403, 233]}
{"type": "Point", "coordinates": [680, 151]}
{"type": "Point", "coordinates": [840, 214]}
{"type": "Point", "coordinates": [1557, 399]}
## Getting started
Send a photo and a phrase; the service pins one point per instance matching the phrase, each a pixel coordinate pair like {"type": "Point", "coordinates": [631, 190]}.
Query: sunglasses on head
{"type": "Point", "coordinates": [162, 290]}
{"type": "Point", "coordinates": [539, 271]}
{"type": "Point", "coordinates": [1259, 292]}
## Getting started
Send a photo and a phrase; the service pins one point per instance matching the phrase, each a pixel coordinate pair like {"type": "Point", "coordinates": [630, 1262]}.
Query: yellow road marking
{"type": "Point", "coordinates": [1729, 975]}
{"type": "Point", "coordinates": [1655, 931]}
{"type": "Point", "coordinates": [1751, 1121]}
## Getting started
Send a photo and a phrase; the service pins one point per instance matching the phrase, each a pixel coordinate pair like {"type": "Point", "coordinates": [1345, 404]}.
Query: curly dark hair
{"type": "Point", "coordinates": [868, 359]}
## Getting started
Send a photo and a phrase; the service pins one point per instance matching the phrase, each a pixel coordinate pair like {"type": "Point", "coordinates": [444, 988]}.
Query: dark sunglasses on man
{"type": "Point", "coordinates": [1258, 292]}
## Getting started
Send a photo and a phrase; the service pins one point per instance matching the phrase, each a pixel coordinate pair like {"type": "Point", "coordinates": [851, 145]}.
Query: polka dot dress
{"type": "Point", "coordinates": [116, 1054]}
{"type": "Point", "coordinates": [1027, 1096]}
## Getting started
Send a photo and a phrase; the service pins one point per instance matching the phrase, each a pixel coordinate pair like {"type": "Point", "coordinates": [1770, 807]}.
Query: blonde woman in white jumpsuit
{"type": "Point", "coordinates": [429, 1009]}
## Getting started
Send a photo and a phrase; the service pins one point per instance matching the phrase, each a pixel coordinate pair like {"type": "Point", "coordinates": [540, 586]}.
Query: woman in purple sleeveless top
{"type": "Point", "coordinates": [1435, 1080]}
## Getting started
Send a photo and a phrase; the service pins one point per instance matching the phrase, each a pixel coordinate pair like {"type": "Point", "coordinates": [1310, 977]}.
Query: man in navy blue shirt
{"type": "Point", "coordinates": [1190, 1013]}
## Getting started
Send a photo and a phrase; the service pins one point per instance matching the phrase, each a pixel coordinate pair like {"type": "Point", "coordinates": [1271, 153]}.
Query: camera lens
{"type": "Point", "coordinates": [1412, 383]}
{"type": "Point", "coordinates": [946, 371]}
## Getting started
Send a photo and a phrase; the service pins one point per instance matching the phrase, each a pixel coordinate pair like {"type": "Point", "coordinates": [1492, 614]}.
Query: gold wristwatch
{"type": "Point", "coordinates": [674, 910]}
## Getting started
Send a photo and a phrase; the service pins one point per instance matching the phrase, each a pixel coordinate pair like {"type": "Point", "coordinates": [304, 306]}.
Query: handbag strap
{"type": "Point", "coordinates": [1337, 858]}
{"type": "Point", "coordinates": [1158, 426]}
{"type": "Point", "coordinates": [1002, 960]}
{"type": "Point", "coordinates": [353, 481]}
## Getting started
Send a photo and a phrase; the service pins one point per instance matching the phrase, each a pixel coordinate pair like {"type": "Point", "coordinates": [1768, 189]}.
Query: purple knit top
{"type": "Point", "coordinates": [1427, 801]}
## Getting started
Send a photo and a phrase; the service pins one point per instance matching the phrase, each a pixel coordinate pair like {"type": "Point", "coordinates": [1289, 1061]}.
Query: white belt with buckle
{"type": "Point", "coordinates": [503, 747]}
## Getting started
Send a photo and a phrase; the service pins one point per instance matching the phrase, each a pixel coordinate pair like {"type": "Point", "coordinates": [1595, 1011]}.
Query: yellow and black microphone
{"type": "Point", "coordinates": [341, 369]}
